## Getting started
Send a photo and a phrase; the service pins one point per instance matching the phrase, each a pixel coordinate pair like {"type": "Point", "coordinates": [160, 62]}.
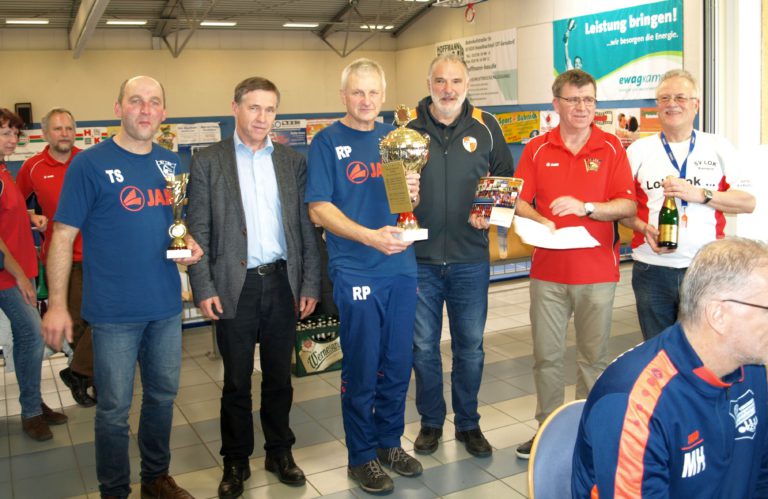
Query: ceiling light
{"type": "Point", "coordinates": [301, 25]}
{"type": "Point", "coordinates": [126, 22]}
{"type": "Point", "coordinates": [379, 26]}
{"type": "Point", "coordinates": [218, 23]}
{"type": "Point", "coordinates": [26, 21]}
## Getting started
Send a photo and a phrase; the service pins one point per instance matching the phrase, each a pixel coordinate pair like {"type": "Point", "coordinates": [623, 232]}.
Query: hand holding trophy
{"type": "Point", "coordinates": [177, 185]}
{"type": "Point", "coordinates": [403, 150]}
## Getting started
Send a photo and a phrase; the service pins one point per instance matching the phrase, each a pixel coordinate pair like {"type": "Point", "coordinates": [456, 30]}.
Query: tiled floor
{"type": "Point", "coordinates": [65, 466]}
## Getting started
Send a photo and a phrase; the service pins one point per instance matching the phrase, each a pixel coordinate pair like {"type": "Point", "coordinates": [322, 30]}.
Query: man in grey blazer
{"type": "Point", "coordinates": [260, 272]}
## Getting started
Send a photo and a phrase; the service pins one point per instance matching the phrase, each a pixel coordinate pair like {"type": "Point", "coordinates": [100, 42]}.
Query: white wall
{"type": "Point", "coordinates": [199, 83]}
{"type": "Point", "coordinates": [38, 68]}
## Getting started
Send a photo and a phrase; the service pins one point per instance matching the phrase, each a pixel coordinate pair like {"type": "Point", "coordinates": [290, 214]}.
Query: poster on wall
{"type": "Point", "coordinates": [198, 133]}
{"type": "Point", "coordinates": [626, 50]}
{"type": "Point", "coordinates": [628, 124]}
{"type": "Point", "coordinates": [32, 142]}
{"type": "Point", "coordinates": [289, 132]}
{"type": "Point", "coordinates": [167, 137]}
{"type": "Point", "coordinates": [519, 127]}
{"type": "Point", "coordinates": [492, 62]}
{"type": "Point", "coordinates": [315, 125]}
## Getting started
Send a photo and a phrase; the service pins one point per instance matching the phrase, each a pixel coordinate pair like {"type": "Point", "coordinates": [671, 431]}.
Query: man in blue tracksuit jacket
{"type": "Point", "coordinates": [374, 278]}
{"type": "Point", "coordinates": [684, 415]}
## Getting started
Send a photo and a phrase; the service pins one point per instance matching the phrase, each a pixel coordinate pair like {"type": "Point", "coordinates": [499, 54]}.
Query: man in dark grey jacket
{"type": "Point", "coordinates": [453, 264]}
{"type": "Point", "coordinates": [261, 271]}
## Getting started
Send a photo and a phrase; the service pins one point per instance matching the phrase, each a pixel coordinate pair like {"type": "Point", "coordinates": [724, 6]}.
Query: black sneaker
{"type": "Point", "coordinates": [396, 459]}
{"type": "Point", "coordinates": [78, 384]}
{"type": "Point", "coordinates": [475, 442]}
{"type": "Point", "coordinates": [371, 477]}
{"type": "Point", "coordinates": [427, 441]}
{"type": "Point", "coordinates": [523, 451]}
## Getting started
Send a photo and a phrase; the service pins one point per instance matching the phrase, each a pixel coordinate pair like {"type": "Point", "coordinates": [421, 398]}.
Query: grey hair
{"type": "Point", "coordinates": [448, 57]}
{"type": "Point", "coordinates": [721, 268]}
{"type": "Point", "coordinates": [56, 110]}
{"type": "Point", "coordinates": [363, 65]}
{"type": "Point", "coordinates": [680, 73]}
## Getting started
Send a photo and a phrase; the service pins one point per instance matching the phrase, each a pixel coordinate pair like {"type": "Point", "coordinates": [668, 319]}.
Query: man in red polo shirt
{"type": "Point", "coordinates": [577, 175]}
{"type": "Point", "coordinates": [43, 176]}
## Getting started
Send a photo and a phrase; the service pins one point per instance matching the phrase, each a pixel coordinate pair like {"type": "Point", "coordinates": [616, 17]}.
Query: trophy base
{"type": "Point", "coordinates": [409, 235]}
{"type": "Point", "coordinates": [178, 253]}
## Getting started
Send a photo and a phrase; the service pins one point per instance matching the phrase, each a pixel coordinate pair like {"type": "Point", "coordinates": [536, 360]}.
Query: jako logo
{"type": "Point", "coordinates": [358, 172]}
{"type": "Point", "coordinates": [132, 198]}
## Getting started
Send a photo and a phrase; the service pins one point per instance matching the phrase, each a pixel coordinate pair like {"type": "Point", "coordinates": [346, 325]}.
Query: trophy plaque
{"type": "Point", "coordinates": [403, 150]}
{"type": "Point", "coordinates": [177, 185]}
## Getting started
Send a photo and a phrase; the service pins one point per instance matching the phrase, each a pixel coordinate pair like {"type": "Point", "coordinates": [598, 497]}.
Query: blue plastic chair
{"type": "Point", "coordinates": [549, 471]}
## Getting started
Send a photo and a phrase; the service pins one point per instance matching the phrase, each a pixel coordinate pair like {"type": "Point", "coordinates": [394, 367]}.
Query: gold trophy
{"type": "Point", "coordinates": [403, 150]}
{"type": "Point", "coordinates": [177, 185]}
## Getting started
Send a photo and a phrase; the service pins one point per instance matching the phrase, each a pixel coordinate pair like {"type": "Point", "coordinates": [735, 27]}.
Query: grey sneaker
{"type": "Point", "coordinates": [399, 461]}
{"type": "Point", "coordinates": [523, 451]}
{"type": "Point", "coordinates": [371, 477]}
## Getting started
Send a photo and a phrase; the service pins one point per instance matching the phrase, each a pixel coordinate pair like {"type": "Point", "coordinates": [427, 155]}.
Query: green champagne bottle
{"type": "Point", "coordinates": [669, 223]}
{"type": "Point", "coordinates": [42, 289]}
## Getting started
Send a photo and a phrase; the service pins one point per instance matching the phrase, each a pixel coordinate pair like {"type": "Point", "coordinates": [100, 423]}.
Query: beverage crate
{"type": "Point", "coordinates": [318, 346]}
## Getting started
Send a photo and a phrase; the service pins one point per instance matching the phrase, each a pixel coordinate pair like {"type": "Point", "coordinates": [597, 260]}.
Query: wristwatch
{"type": "Point", "coordinates": [589, 208]}
{"type": "Point", "coordinates": [707, 196]}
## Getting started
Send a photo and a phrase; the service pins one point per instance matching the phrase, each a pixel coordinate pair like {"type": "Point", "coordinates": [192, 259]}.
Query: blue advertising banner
{"type": "Point", "coordinates": [626, 50]}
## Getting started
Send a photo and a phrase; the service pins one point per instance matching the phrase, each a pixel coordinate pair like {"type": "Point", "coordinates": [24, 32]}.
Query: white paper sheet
{"type": "Point", "coordinates": [538, 235]}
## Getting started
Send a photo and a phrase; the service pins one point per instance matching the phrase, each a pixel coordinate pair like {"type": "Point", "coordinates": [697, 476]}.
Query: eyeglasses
{"type": "Point", "coordinates": [575, 101]}
{"type": "Point", "coordinates": [755, 305]}
{"type": "Point", "coordinates": [679, 99]}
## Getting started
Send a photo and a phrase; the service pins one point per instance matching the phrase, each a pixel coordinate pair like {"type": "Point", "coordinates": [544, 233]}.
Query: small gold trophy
{"type": "Point", "coordinates": [177, 185]}
{"type": "Point", "coordinates": [403, 150]}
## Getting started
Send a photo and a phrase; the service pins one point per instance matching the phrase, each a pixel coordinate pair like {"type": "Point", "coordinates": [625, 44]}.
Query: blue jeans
{"type": "Point", "coordinates": [463, 287]}
{"type": "Point", "coordinates": [156, 345]}
{"type": "Point", "coordinates": [27, 348]}
{"type": "Point", "coordinates": [657, 296]}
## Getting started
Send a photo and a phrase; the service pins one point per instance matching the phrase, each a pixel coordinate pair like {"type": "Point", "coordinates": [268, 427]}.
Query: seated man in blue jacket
{"type": "Point", "coordinates": [684, 414]}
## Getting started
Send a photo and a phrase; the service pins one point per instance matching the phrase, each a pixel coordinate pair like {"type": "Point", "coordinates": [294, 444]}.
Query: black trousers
{"type": "Point", "coordinates": [266, 314]}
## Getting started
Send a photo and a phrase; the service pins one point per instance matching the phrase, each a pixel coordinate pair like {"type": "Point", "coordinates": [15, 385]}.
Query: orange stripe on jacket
{"type": "Point", "coordinates": [642, 402]}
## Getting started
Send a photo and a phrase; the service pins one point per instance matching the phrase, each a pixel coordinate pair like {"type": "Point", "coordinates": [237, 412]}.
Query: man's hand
{"type": "Point", "coordinates": [306, 306]}
{"type": "Point", "coordinates": [478, 221]}
{"type": "Point", "coordinates": [211, 307]}
{"type": "Point", "coordinates": [197, 252]}
{"type": "Point", "coordinates": [39, 222]}
{"type": "Point", "coordinates": [412, 179]}
{"type": "Point", "coordinates": [682, 189]}
{"type": "Point", "coordinates": [384, 240]}
{"type": "Point", "coordinates": [652, 238]}
{"type": "Point", "coordinates": [28, 291]}
{"type": "Point", "coordinates": [56, 323]}
{"type": "Point", "coordinates": [568, 205]}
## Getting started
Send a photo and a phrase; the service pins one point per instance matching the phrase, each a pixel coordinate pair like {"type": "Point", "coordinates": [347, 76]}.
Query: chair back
{"type": "Point", "coordinates": [551, 461]}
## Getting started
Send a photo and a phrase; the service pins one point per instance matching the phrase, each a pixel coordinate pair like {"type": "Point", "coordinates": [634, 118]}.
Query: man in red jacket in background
{"type": "Point", "coordinates": [43, 176]}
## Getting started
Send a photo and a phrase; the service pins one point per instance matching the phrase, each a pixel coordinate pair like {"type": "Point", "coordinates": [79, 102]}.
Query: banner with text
{"type": "Point", "coordinates": [492, 62]}
{"type": "Point", "coordinates": [626, 50]}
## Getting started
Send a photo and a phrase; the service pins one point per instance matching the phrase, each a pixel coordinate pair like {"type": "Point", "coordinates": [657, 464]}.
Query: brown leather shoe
{"type": "Point", "coordinates": [53, 417]}
{"type": "Point", "coordinates": [163, 487]}
{"type": "Point", "coordinates": [36, 428]}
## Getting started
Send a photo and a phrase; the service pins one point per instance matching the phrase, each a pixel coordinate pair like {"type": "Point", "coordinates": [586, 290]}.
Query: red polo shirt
{"type": "Point", "coordinates": [15, 229]}
{"type": "Point", "coordinates": [43, 175]}
{"type": "Point", "coordinates": [599, 172]}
